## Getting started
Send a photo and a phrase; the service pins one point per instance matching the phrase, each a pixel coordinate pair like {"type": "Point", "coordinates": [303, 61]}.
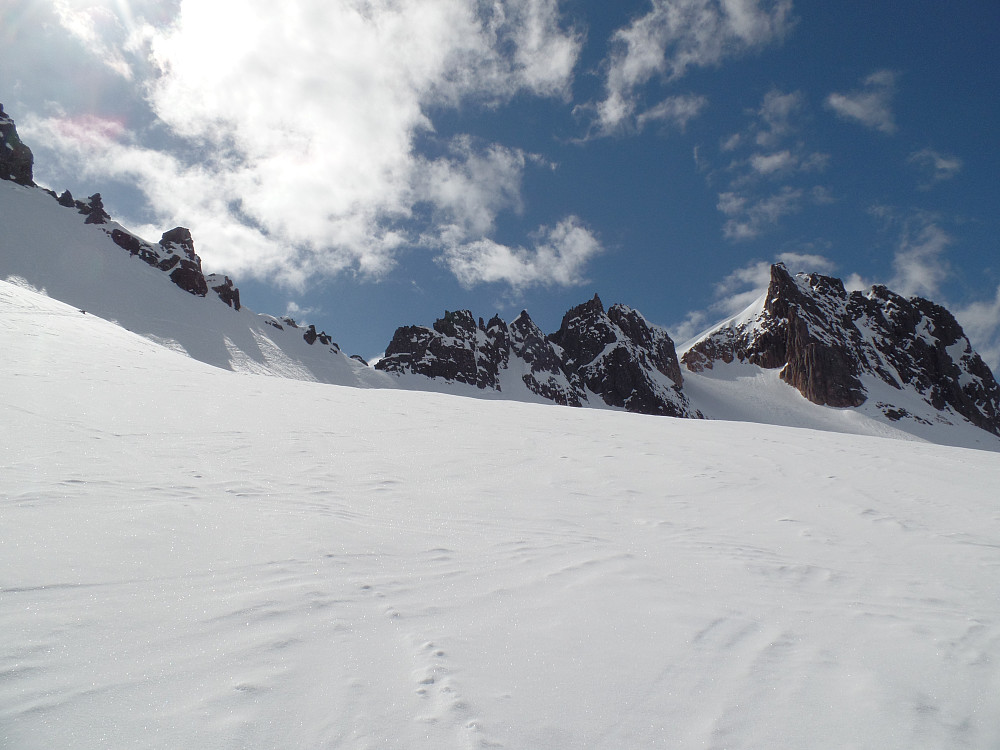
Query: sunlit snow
{"type": "Point", "coordinates": [196, 558]}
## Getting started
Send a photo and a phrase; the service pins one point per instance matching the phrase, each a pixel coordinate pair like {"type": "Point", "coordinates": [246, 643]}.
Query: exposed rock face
{"type": "Point", "coordinates": [311, 337]}
{"type": "Point", "coordinates": [16, 160]}
{"type": "Point", "coordinates": [454, 349]}
{"type": "Point", "coordinates": [622, 358]}
{"type": "Point", "coordinates": [546, 374]}
{"type": "Point", "coordinates": [827, 342]}
{"type": "Point", "coordinates": [175, 254]}
{"type": "Point", "coordinates": [94, 210]}
{"type": "Point", "coordinates": [187, 273]}
{"type": "Point", "coordinates": [616, 356]}
{"type": "Point", "coordinates": [223, 286]}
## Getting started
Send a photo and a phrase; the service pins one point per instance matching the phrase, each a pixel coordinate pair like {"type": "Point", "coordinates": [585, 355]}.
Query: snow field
{"type": "Point", "coordinates": [191, 557]}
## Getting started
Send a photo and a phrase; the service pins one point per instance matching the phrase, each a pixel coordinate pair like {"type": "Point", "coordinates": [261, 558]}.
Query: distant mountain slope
{"type": "Point", "coordinates": [107, 271]}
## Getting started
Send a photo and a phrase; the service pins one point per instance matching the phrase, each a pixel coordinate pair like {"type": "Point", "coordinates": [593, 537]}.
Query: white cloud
{"type": "Point", "coordinates": [766, 153]}
{"type": "Point", "coordinates": [919, 263]}
{"type": "Point", "coordinates": [981, 323]}
{"type": "Point", "coordinates": [676, 110]}
{"type": "Point", "coordinates": [294, 126]}
{"type": "Point", "coordinates": [935, 166]}
{"type": "Point", "coordinates": [775, 116]}
{"type": "Point", "coordinates": [559, 256]}
{"type": "Point", "coordinates": [676, 35]}
{"type": "Point", "coordinates": [869, 105]}
{"type": "Point", "coordinates": [469, 188]}
{"type": "Point", "coordinates": [780, 161]}
{"type": "Point", "coordinates": [99, 30]}
{"type": "Point", "coordinates": [749, 216]}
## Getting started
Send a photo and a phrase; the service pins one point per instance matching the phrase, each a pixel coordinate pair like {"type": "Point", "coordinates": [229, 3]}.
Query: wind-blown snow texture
{"type": "Point", "coordinates": [191, 557]}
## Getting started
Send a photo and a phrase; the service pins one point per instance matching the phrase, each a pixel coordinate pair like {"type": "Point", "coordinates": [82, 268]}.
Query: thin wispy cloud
{"type": "Point", "coordinates": [675, 111]}
{"type": "Point", "coordinates": [920, 263]}
{"type": "Point", "coordinates": [871, 105]}
{"type": "Point", "coordinates": [934, 166]}
{"type": "Point", "coordinates": [768, 166]}
{"type": "Point", "coordinates": [677, 35]}
{"type": "Point", "coordinates": [747, 217]}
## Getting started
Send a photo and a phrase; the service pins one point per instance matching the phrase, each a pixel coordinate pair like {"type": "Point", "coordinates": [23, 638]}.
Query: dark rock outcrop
{"type": "Point", "coordinates": [616, 356]}
{"type": "Point", "coordinates": [94, 210]}
{"type": "Point", "coordinates": [223, 286]}
{"type": "Point", "coordinates": [187, 272]}
{"type": "Point", "coordinates": [621, 357]}
{"type": "Point", "coordinates": [16, 159]}
{"type": "Point", "coordinates": [827, 342]}
{"type": "Point", "coordinates": [311, 337]}
{"type": "Point", "coordinates": [546, 375]}
{"type": "Point", "coordinates": [448, 351]}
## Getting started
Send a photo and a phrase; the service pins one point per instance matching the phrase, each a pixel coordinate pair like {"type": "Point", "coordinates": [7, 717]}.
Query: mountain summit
{"type": "Point", "coordinates": [837, 348]}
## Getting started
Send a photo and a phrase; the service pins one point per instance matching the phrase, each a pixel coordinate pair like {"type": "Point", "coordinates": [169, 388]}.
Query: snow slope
{"type": "Point", "coordinates": [192, 557]}
{"type": "Point", "coordinates": [48, 247]}
{"type": "Point", "coordinates": [746, 393]}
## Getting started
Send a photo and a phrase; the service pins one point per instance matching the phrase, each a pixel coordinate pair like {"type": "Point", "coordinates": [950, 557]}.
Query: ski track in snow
{"type": "Point", "coordinates": [198, 558]}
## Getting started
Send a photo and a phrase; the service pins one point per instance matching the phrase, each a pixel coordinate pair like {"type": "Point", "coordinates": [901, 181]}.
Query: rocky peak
{"type": "Point", "coordinates": [94, 210]}
{"type": "Point", "coordinates": [829, 343]}
{"type": "Point", "coordinates": [584, 333]}
{"type": "Point", "coordinates": [16, 159]}
{"type": "Point", "coordinates": [615, 355]}
{"type": "Point", "coordinates": [179, 238]}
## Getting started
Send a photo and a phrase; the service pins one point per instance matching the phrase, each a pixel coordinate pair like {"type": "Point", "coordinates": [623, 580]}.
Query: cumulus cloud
{"type": "Point", "coordinates": [293, 127]}
{"type": "Point", "coordinates": [934, 166]}
{"type": "Point", "coordinates": [558, 256]}
{"type": "Point", "coordinates": [871, 104]}
{"type": "Point", "coordinates": [676, 35]}
{"type": "Point", "coordinates": [101, 32]}
{"type": "Point", "coordinates": [469, 187]}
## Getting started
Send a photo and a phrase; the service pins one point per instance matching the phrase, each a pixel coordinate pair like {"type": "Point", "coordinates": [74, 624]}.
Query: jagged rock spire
{"type": "Point", "coordinates": [16, 159]}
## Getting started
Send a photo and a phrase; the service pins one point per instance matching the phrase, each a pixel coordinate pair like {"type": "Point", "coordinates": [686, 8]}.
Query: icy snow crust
{"type": "Point", "coordinates": [191, 557]}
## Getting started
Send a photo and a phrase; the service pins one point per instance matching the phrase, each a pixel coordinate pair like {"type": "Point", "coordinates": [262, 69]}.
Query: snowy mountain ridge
{"type": "Point", "coordinates": [615, 358]}
{"type": "Point", "coordinates": [872, 364]}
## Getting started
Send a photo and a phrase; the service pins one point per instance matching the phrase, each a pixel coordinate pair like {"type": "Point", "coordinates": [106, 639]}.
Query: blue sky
{"type": "Point", "coordinates": [368, 164]}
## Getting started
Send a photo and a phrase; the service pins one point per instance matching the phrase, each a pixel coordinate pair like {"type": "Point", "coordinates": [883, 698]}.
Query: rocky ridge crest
{"type": "Point", "coordinates": [828, 342]}
{"type": "Point", "coordinates": [615, 356]}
